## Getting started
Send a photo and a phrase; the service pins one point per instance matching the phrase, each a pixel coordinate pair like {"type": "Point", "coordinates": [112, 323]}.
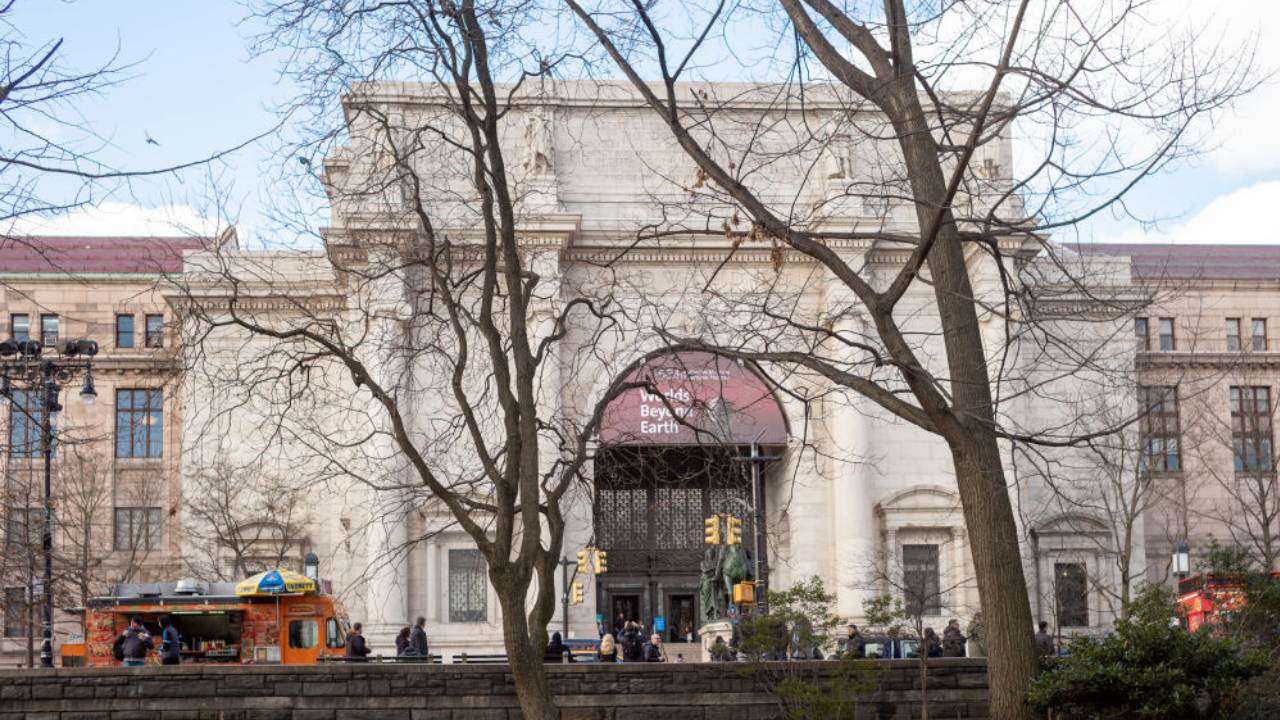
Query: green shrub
{"type": "Point", "coordinates": [1147, 668]}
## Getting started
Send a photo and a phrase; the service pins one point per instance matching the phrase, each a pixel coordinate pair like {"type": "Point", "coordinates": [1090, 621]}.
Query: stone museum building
{"type": "Point", "coordinates": [283, 452]}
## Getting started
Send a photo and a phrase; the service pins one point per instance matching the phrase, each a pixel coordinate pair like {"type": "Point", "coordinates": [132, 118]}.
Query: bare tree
{"type": "Point", "coordinates": [901, 67]}
{"type": "Point", "coordinates": [243, 521]}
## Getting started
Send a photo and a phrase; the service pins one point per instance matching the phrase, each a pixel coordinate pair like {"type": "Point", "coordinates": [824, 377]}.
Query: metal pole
{"type": "Point", "coordinates": [762, 585]}
{"type": "Point", "coordinates": [50, 404]}
{"type": "Point", "coordinates": [564, 571]}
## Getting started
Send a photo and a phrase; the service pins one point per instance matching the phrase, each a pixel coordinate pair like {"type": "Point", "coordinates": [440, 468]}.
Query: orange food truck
{"type": "Point", "coordinates": [277, 617]}
{"type": "Point", "coordinates": [1204, 597]}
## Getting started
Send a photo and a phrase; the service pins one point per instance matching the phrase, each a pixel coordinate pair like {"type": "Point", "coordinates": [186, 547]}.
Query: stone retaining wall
{"type": "Point", "coordinates": [703, 691]}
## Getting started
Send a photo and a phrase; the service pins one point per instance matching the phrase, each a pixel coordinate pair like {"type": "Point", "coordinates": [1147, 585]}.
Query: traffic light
{"type": "Point", "coordinates": [733, 528]}
{"type": "Point", "coordinates": [711, 534]}
{"type": "Point", "coordinates": [744, 593]}
{"type": "Point", "coordinates": [577, 594]}
{"type": "Point", "coordinates": [602, 562]}
{"type": "Point", "coordinates": [582, 561]}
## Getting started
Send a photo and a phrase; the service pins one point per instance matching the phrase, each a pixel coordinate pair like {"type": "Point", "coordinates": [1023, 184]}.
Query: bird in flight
{"type": "Point", "coordinates": [150, 140]}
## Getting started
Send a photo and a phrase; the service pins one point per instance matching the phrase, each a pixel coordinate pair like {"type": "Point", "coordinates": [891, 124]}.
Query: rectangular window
{"type": "Point", "coordinates": [1142, 334]}
{"type": "Point", "coordinates": [304, 634]}
{"type": "Point", "coordinates": [1071, 587]}
{"type": "Point", "coordinates": [1158, 429]}
{"type": "Point", "coordinates": [20, 327]}
{"type": "Point", "coordinates": [138, 529]}
{"type": "Point", "coordinates": [26, 416]}
{"type": "Point", "coordinates": [22, 528]}
{"type": "Point", "coordinates": [155, 331]}
{"type": "Point", "coordinates": [920, 581]}
{"type": "Point", "coordinates": [1166, 334]}
{"type": "Point", "coordinates": [15, 612]}
{"type": "Point", "coordinates": [468, 586]}
{"type": "Point", "coordinates": [1251, 428]}
{"type": "Point", "coordinates": [139, 423]}
{"type": "Point", "coordinates": [1233, 334]}
{"type": "Point", "coordinates": [124, 331]}
{"type": "Point", "coordinates": [1260, 334]}
{"type": "Point", "coordinates": [49, 330]}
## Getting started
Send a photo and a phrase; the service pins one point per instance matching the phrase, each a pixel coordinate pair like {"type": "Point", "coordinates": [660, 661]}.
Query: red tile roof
{"type": "Point", "coordinates": [1200, 262]}
{"type": "Point", "coordinates": [97, 255]}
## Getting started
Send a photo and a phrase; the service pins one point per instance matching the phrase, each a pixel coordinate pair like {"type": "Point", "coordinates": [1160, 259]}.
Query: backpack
{"type": "Point", "coordinates": [117, 648]}
{"type": "Point", "coordinates": [632, 649]}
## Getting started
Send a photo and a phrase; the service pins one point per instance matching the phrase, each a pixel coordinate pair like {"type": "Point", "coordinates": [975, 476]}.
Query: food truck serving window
{"type": "Point", "coordinates": [333, 635]}
{"type": "Point", "coordinates": [304, 634]}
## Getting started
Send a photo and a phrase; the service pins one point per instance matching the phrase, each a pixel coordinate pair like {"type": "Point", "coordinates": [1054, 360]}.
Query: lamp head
{"type": "Point", "coordinates": [30, 348]}
{"type": "Point", "coordinates": [8, 347]}
{"type": "Point", "coordinates": [87, 393]}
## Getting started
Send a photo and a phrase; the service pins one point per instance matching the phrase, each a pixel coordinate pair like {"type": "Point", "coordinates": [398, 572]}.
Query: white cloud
{"type": "Point", "coordinates": [121, 219]}
{"type": "Point", "coordinates": [1239, 217]}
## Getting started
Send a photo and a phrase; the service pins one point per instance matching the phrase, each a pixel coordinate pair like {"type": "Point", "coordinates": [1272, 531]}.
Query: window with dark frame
{"type": "Point", "coordinates": [139, 423]}
{"type": "Point", "coordinates": [26, 416]}
{"type": "Point", "coordinates": [921, 586]}
{"type": "Point", "coordinates": [1251, 428]}
{"type": "Point", "coordinates": [1142, 333]}
{"type": "Point", "coordinates": [1260, 334]}
{"type": "Point", "coordinates": [1166, 334]}
{"type": "Point", "coordinates": [138, 528]}
{"type": "Point", "coordinates": [1159, 430]}
{"type": "Point", "coordinates": [15, 612]}
{"type": "Point", "coordinates": [49, 330]}
{"type": "Point", "coordinates": [1071, 586]}
{"type": "Point", "coordinates": [124, 331]}
{"type": "Point", "coordinates": [22, 528]}
{"type": "Point", "coordinates": [468, 586]}
{"type": "Point", "coordinates": [1233, 334]}
{"type": "Point", "coordinates": [155, 331]}
{"type": "Point", "coordinates": [20, 327]}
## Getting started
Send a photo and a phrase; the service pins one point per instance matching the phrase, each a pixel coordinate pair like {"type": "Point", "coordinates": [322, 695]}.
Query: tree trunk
{"type": "Point", "coordinates": [527, 670]}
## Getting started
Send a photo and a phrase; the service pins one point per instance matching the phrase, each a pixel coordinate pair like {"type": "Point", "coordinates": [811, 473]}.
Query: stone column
{"type": "Point", "coordinates": [854, 497]}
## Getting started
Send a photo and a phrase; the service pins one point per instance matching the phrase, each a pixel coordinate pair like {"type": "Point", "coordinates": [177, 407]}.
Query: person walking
{"type": "Point", "coordinates": [953, 640]}
{"type": "Point", "coordinates": [170, 642]}
{"type": "Point", "coordinates": [402, 641]}
{"type": "Point", "coordinates": [977, 637]}
{"type": "Point", "coordinates": [653, 652]}
{"type": "Point", "coordinates": [932, 648]}
{"type": "Point", "coordinates": [357, 649]}
{"type": "Point", "coordinates": [556, 650]}
{"type": "Point", "coordinates": [855, 646]}
{"type": "Point", "coordinates": [608, 651]}
{"type": "Point", "coordinates": [620, 625]}
{"type": "Point", "coordinates": [418, 637]}
{"type": "Point", "coordinates": [632, 644]}
{"type": "Point", "coordinates": [1044, 641]}
{"type": "Point", "coordinates": [134, 643]}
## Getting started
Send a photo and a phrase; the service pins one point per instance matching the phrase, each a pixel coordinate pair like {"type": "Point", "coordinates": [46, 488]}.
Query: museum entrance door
{"type": "Point", "coordinates": [670, 456]}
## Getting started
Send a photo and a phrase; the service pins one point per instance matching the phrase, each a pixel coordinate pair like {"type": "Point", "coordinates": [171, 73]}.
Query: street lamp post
{"type": "Point", "coordinates": [22, 362]}
{"type": "Point", "coordinates": [1181, 559]}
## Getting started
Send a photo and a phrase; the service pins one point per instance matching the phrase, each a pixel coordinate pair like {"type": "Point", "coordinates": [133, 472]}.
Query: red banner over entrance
{"type": "Point", "coordinates": [694, 398]}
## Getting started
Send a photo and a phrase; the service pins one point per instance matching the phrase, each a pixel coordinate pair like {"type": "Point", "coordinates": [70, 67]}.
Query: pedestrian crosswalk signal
{"type": "Point", "coordinates": [734, 530]}
{"type": "Point", "coordinates": [602, 562]}
{"type": "Point", "coordinates": [577, 594]}
{"type": "Point", "coordinates": [582, 561]}
{"type": "Point", "coordinates": [711, 533]}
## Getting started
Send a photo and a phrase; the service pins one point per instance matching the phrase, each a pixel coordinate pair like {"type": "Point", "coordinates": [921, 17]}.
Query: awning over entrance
{"type": "Point", "coordinates": [694, 398]}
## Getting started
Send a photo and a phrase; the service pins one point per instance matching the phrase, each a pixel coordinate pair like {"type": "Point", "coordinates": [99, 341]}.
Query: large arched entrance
{"type": "Point", "coordinates": [671, 456]}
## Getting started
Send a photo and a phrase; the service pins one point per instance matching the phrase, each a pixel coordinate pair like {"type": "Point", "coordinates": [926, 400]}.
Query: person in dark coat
{"type": "Point", "coordinates": [952, 640]}
{"type": "Point", "coordinates": [653, 652]}
{"type": "Point", "coordinates": [1044, 641]}
{"type": "Point", "coordinates": [418, 637]}
{"type": "Point", "coordinates": [137, 641]}
{"type": "Point", "coordinates": [720, 652]}
{"type": "Point", "coordinates": [932, 648]}
{"type": "Point", "coordinates": [170, 642]}
{"type": "Point", "coordinates": [855, 646]}
{"type": "Point", "coordinates": [402, 641]}
{"type": "Point", "coordinates": [608, 651]}
{"type": "Point", "coordinates": [620, 625]}
{"type": "Point", "coordinates": [357, 648]}
{"type": "Point", "coordinates": [556, 650]}
{"type": "Point", "coordinates": [632, 644]}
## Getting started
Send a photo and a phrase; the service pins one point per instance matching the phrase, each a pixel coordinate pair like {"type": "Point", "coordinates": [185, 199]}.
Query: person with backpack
{"type": "Point", "coordinates": [170, 642]}
{"type": "Point", "coordinates": [357, 649]}
{"type": "Point", "coordinates": [402, 642]}
{"type": "Point", "coordinates": [131, 646]}
{"type": "Point", "coordinates": [632, 644]}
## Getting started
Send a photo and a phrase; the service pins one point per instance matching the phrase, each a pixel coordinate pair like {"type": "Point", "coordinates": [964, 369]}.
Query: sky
{"type": "Point", "coordinates": [195, 90]}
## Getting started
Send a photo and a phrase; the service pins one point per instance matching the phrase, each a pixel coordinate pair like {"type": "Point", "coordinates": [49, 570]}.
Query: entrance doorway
{"type": "Point", "coordinates": [628, 606]}
{"type": "Point", "coordinates": [682, 625]}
